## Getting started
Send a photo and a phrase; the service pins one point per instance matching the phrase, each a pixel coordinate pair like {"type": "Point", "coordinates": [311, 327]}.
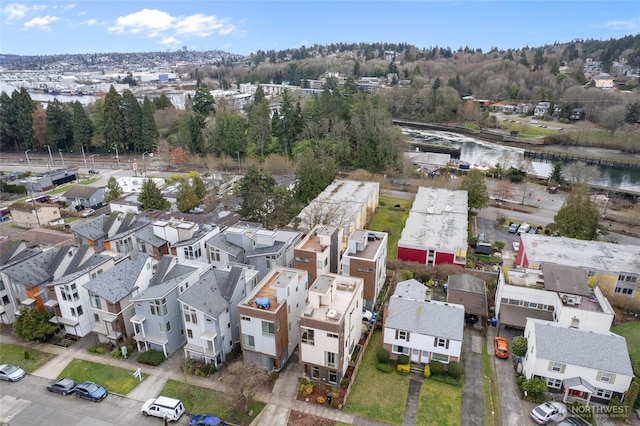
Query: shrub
{"type": "Point", "coordinates": [100, 350]}
{"type": "Point", "coordinates": [425, 277]}
{"type": "Point", "coordinates": [519, 345]}
{"type": "Point", "coordinates": [437, 368]}
{"type": "Point", "coordinates": [427, 371]}
{"type": "Point", "coordinates": [447, 379]}
{"type": "Point", "coordinates": [308, 389]}
{"type": "Point", "coordinates": [385, 368]}
{"type": "Point", "coordinates": [27, 355]}
{"type": "Point", "coordinates": [274, 374]}
{"type": "Point", "coordinates": [403, 369]}
{"type": "Point", "coordinates": [321, 400]}
{"type": "Point", "coordinates": [455, 369]}
{"type": "Point", "coordinates": [407, 274]}
{"type": "Point", "coordinates": [116, 353]}
{"type": "Point", "coordinates": [151, 357]}
{"type": "Point", "coordinates": [383, 355]}
{"type": "Point", "coordinates": [403, 359]}
{"type": "Point", "coordinates": [520, 380]}
{"type": "Point", "coordinates": [344, 383]}
{"type": "Point", "coordinates": [535, 389]}
{"type": "Point", "coordinates": [92, 349]}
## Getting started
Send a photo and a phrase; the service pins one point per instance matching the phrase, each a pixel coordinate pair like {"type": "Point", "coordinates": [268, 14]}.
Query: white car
{"type": "Point", "coordinates": [367, 315]}
{"type": "Point", "coordinates": [87, 212]}
{"type": "Point", "coordinates": [547, 412]}
{"type": "Point", "coordinates": [516, 246]}
{"type": "Point", "coordinates": [11, 373]}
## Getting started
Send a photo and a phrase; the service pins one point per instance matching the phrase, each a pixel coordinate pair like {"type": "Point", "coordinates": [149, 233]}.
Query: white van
{"type": "Point", "coordinates": [524, 228]}
{"type": "Point", "coordinates": [163, 407]}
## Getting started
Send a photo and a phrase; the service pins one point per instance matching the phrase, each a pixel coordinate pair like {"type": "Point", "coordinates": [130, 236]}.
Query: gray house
{"type": "Point", "coordinates": [158, 323]}
{"type": "Point", "coordinates": [84, 197]}
{"type": "Point", "coordinates": [211, 315]}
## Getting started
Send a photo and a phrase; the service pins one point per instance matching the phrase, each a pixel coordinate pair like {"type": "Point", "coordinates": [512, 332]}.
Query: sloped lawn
{"type": "Point", "coordinates": [391, 221]}
{"type": "Point", "coordinates": [377, 395]}
{"type": "Point", "coordinates": [439, 404]}
{"type": "Point", "coordinates": [198, 400]}
{"type": "Point", "coordinates": [15, 354]}
{"type": "Point", "coordinates": [114, 379]}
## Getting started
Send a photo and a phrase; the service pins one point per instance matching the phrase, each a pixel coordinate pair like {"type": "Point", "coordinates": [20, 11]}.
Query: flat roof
{"type": "Point", "coordinates": [280, 277]}
{"type": "Point", "coordinates": [438, 219]}
{"type": "Point", "coordinates": [590, 255]}
{"type": "Point", "coordinates": [344, 291]}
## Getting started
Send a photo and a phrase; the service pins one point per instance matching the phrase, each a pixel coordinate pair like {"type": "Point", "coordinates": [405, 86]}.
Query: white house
{"type": "Point", "coordinates": [425, 330]}
{"type": "Point", "coordinates": [584, 365]}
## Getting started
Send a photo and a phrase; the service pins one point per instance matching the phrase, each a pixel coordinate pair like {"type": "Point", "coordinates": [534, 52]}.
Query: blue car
{"type": "Point", "coordinates": [206, 420]}
{"type": "Point", "coordinates": [92, 391]}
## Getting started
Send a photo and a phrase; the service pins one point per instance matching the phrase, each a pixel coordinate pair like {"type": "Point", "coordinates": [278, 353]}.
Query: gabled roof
{"type": "Point", "coordinates": [603, 351]}
{"type": "Point", "coordinates": [166, 278]}
{"type": "Point", "coordinates": [466, 282]}
{"type": "Point", "coordinates": [212, 293]}
{"type": "Point", "coordinates": [412, 289]}
{"type": "Point", "coordinates": [82, 268]}
{"type": "Point", "coordinates": [426, 318]}
{"type": "Point", "coordinates": [261, 251]}
{"type": "Point", "coordinates": [146, 234]}
{"type": "Point", "coordinates": [81, 191]}
{"type": "Point", "coordinates": [33, 271]}
{"type": "Point", "coordinates": [219, 241]}
{"type": "Point", "coordinates": [118, 282]}
{"type": "Point", "coordinates": [10, 249]}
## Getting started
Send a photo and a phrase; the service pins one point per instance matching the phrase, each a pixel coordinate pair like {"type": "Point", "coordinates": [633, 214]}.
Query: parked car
{"type": "Point", "coordinates": [470, 319]}
{"type": "Point", "coordinates": [87, 212]}
{"type": "Point", "coordinates": [516, 246]}
{"type": "Point", "coordinates": [62, 386]}
{"type": "Point", "coordinates": [167, 408]}
{"type": "Point", "coordinates": [549, 411]}
{"type": "Point", "coordinates": [501, 346]}
{"type": "Point", "coordinates": [206, 420]}
{"type": "Point", "coordinates": [92, 391]}
{"type": "Point", "coordinates": [513, 228]}
{"type": "Point", "coordinates": [367, 315]}
{"type": "Point", "coordinates": [524, 228]}
{"type": "Point", "coordinates": [93, 171]}
{"type": "Point", "coordinates": [11, 373]}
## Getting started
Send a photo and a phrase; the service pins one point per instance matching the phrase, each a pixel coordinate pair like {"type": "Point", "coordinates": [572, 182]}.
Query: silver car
{"type": "Point", "coordinates": [11, 373]}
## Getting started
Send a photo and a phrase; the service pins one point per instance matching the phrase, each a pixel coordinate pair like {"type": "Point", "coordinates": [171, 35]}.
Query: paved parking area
{"type": "Point", "coordinates": [472, 395]}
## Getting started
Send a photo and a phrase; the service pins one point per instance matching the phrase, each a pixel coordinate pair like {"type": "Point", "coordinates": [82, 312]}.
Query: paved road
{"type": "Point", "coordinates": [472, 392]}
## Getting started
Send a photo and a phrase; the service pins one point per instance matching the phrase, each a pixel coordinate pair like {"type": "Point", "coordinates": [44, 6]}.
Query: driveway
{"type": "Point", "coordinates": [472, 394]}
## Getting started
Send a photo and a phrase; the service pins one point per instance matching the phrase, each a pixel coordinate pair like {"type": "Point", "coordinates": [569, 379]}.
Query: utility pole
{"type": "Point", "coordinates": [61, 157]}
{"type": "Point", "coordinates": [50, 156]}
{"type": "Point", "coordinates": [83, 156]}
{"type": "Point", "coordinates": [26, 153]}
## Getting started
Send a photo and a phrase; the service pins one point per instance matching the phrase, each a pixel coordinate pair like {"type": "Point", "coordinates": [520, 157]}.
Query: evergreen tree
{"type": "Point", "coordinates": [476, 188]}
{"type": "Point", "coordinates": [314, 172]}
{"type": "Point", "coordinates": [131, 114]}
{"type": "Point", "coordinates": [203, 102]}
{"type": "Point", "coordinates": [24, 109]}
{"type": "Point", "coordinates": [187, 198]}
{"type": "Point", "coordinates": [59, 125]}
{"type": "Point", "coordinates": [113, 123]}
{"type": "Point", "coordinates": [151, 198]}
{"type": "Point", "coordinates": [259, 128]}
{"type": "Point", "coordinates": [633, 113]}
{"type": "Point", "coordinates": [162, 102]}
{"type": "Point", "coordinates": [257, 190]}
{"type": "Point", "coordinates": [230, 134]}
{"type": "Point", "coordinates": [199, 187]}
{"type": "Point", "coordinates": [259, 95]}
{"type": "Point", "coordinates": [578, 217]}
{"type": "Point", "coordinates": [112, 191]}
{"type": "Point", "coordinates": [196, 123]}
{"type": "Point", "coordinates": [8, 124]}
{"type": "Point", "coordinates": [33, 325]}
{"type": "Point", "coordinates": [82, 126]}
{"type": "Point", "coordinates": [149, 133]}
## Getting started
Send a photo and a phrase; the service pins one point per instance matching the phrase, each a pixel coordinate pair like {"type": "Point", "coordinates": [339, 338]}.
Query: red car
{"type": "Point", "coordinates": [501, 346]}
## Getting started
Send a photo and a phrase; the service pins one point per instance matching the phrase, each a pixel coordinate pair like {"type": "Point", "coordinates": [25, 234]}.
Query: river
{"type": "Point", "coordinates": [488, 154]}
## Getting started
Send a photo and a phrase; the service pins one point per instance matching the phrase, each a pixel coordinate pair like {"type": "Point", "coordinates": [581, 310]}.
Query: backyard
{"type": "Point", "coordinates": [377, 395]}
{"type": "Point", "coordinates": [391, 219]}
{"type": "Point", "coordinates": [114, 379]}
{"type": "Point", "coordinates": [29, 359]}
{"type": "Point", "coordinates": [201, 400]}
{"type": "Point", "coordinates": [631, 331]}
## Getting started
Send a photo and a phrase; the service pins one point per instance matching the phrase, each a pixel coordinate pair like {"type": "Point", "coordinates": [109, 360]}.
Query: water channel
{"type": "Point", "coordinates": [488, 154]}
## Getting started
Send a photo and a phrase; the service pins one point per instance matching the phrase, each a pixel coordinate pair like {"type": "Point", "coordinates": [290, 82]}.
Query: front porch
{"type": "Point", "coordinates": [577, 389]}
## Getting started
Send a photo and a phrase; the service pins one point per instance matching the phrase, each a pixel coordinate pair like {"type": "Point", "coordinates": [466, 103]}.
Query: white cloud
{"type": "Point", "coordinates": [169, 29]}
{"type": "Point", "coordinates": [14, 12]}
{"type": "Point", "coordinates": [89, 22]}
{"type": "Point", "coordinates": [41, 22]}
{"type": "Point", "coordinates": [69, 6]}
{"type": "Point", "coordinates": [621, 25]}
{"type": "Point", "coordinates": [149, 21]}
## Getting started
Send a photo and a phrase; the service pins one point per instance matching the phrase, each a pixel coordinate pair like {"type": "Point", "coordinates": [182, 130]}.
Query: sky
{"type": "Point", "coordinates": [242, 27]}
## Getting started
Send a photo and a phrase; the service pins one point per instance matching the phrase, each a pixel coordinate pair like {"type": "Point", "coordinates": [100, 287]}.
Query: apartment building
{"type": "Point", "coordinates": [366, 257]}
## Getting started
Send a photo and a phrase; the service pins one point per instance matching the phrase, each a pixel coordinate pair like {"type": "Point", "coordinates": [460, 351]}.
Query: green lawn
{"type": "Point", "coordinates": [630, 331]}
{"type": "Point", "coordinates": [15, 354]}
{"type": "Point", "coordinates": [198, 400]}
{"type": "Point", "coordinates": [439, 404]}
{"type": "Point", "coordinates": [377, 395]}
{"type": "Point", "coordinates": [88, 181]}
{"type": "Point", "coordinates": [391, 221]}
{"type": "Point", "coordinates": [115, 379]}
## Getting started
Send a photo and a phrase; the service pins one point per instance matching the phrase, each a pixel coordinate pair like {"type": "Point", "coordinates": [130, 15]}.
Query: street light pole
{"type": "Point", "coordinates": [117, 155]}
{"type": "Point", "coordinates": [61, 157]}
{"type": "Point", "coordinates": [50, 156]}
{"type": "Point", "coordinates": [144, 164]}
{"type": "Point", "coordinates": [83, 157]}
{"type": "Point", "coordinates": [93, 163]}
{"type": "Point", "coordinates": [26, 153]}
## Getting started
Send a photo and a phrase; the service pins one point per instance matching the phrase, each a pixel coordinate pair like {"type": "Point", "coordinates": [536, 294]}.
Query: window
{"type": "Point", "coordinates": [268, 329]}
{"type": "Point", "coordinates": [243, 318]}
{"type": "Point", "coordinates": [604, 393]}
{"type": "Point", "coordinates": [623, 290]}
{"type": "Point", "coordinates": [307, 336]}
{"type": "Point", "coordinates": [440, 357]}
{"type": "Point", "coordinates": [400, 349]}
{"type": "Point", "coordinates": [95, 301]}
{"type": "Point", "coordinates": [332, 335]}
{"type": "Point", "coordinates": [168, 327]}
{"type": "Point", "coordinates": [322, 264]}
{"type": "Point", "coordinates": [533, 305]}
{"type": "Point", "coordinates": [5, 300]}
{"type": "Point", "coordinates": [142, 247]}
{"type": "Point", "coordinates": [345, 269]}
{"type": "Point", "coordinates": [96, 317]}
{"type": "Point", "coordinates": [79, 310]}
{"type": "Point", "coordinates": [271, 261]}
{"type": "Point", "coordinates": [441, 343]}
{"type": "Point", "coordinates": [302, 259]}
{"type": "Point", "coordinates": [605, 377]}
{"type": "Point", "coordinates": [193, 252]}
{"type": "Point", "coordinates": [557, 367]}
{"type": "Point", "coordinates": [333, 377]}
{"type": "Point", "coordinates": [363, 269]}
{"type": "Point", "coordinates": [161, 327]}
{"type": "Point", "coordinates": [402, 335]}
{"type": "Point", "coordinates": [315, 373]}
{"type": "Point", "coordinates": [69, 292]}
{"type": "Point", "coordinates": [331, 359]}
{"type": "Point", "coordinates": [215, 255]}
{"type": "Point", "coordinates": [554, 383]}
{"type": "Point", "coordinates": [190, 315]}
{"type": "Point", "coordinates": [189, 333]}
{"type": "Point", "coordinates": [248, 341]}
{"type": "Point", "coordinates": [159, 307]}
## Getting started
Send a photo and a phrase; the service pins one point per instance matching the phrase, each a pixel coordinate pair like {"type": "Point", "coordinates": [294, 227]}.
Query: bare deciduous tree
{"type": "Point", "coordinates": [580, 173]}
{"type": "Point", "coordinates": [503, 190]}
{"type": "Point", "coordinates": [243, 380]}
